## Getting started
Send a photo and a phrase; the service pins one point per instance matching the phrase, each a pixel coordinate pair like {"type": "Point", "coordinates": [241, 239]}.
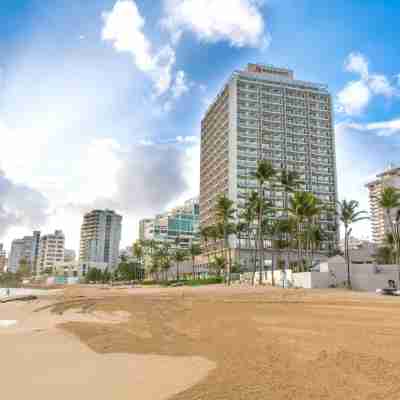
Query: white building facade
{"type": "Point", "coordinates": [51, 251]}
{"type": "Point", "coordinates": [263, 113]}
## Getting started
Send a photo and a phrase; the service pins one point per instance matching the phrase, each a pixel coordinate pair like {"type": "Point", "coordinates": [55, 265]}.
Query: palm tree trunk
{"type": "Point", "coordinates": [261, 253]}
{"type": "Point", "coordinates": [255, 258]}
{"type": "Point", "coordinates": [239, 248]}
{"type": "Point", "coordinates": [346, 244]}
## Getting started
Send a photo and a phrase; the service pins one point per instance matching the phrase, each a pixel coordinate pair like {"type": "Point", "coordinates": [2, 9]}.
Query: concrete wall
{"type": "Point", "coordinates": [366, 277]}
{"type": "Point", "coordinates": [311, 280]}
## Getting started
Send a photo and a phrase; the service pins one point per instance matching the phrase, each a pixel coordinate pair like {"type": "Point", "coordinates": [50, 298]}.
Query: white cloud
{"type": "Point", "coordinates": [239, 22]}
{"type": "Point", "coordinates": [357, 63]}
{"type": "Point", "coordinates": [123, 26]}
{"type": "Point", "coordinates": [187, 139]}
{"type": "Point", "coordinates": [384, 128]}
{"type": "Point", "coordinates": [379, 84]}
{"type": "Point", "coordinates": [354, 98]}
{"type": "Point", "coordinates": [20, 205]}
{"type": "Point", "coordinates": [180, 86]}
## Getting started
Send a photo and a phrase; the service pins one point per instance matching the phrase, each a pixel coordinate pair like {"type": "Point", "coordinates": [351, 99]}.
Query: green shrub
{"type": "Point", "coordinates": [196, 282]}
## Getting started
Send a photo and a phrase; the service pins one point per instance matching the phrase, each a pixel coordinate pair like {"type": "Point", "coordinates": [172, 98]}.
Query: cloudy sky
{"type": "Point", "coordinates": [101, 100]}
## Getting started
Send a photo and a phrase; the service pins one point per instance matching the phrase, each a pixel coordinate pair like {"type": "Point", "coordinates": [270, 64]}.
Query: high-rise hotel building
{"type": "Point", "coordinates": [100, 238]}
{"type": "Point", "coordinates": [379, 221]}
{"type": "Point", "coordinates": [264, 113]}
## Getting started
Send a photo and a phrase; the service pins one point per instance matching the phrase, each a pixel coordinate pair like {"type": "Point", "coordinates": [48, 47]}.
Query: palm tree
{"type": "Point", "coordinates": [206, 234]}
{"type": "Point", "coordinates": [179, 256]}
{"type": "Point", "coordinates": [264, 174]}
{"type": "Point", "coordinates": [313, 211]}
{"type": "Point", "coordinates": [304, 207]}
{"type": "Point", "coordinates": [224, 213]}
{"type": "Point", "coordinates": [390, 202]}
{"type": "Point", "coordinates": [316, 235]}
{"type": "Point", "coordinates": [137, 252]}
{"type": "Point", "coordinates": [290, 181]}
{"type": "Point", "coordinates": [194, 251]}
{"type": "Point", "coordinates": [349, 215]}
{"type": "Point", "coordinates": [260, 208]}
{"type": "Point", "coordinates": [240, 228]}
{"type": "Point", "coordinates": [386, 253]}
{"type": "Point", "coordinates": [218, 264]}
{"type": "Point", "coordinates": [275, 230]}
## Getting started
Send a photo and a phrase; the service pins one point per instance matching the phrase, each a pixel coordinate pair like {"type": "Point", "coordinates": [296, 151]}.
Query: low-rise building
{"type": "Point", "coordinates": [69, 255]}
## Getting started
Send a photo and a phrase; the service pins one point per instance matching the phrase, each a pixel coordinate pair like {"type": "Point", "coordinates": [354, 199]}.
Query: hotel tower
{"type": "Point", "coordinates": [263, 112]}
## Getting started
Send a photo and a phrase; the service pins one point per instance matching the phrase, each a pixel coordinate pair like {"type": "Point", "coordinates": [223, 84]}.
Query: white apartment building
{"type": "Point", "coordinates": [51, 250]}
{"type": "Point", "coordinates": [379, 222]}
{"type": "Point", "coordinates": [100, 237]}
{"type": "Point", "coordinates": [264, 113]}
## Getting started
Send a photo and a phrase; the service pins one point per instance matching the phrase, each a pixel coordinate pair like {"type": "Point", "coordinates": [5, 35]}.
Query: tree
{"type": "Point", "coordinates": [390, 202]}
{"type": "Point", "coordinates": [385, 254]}
{"type": "Point", "coordinates": [290, 181]}
{"type": "Point", "coordinates": [94, 275]}
{"type": "Point", "coordinates": [349, 215]}
{"type": "Point", "coordinates": [24, 269]}
{"type": "Point", "coordinates": [304, 207]}
{"type": "Point", "coordinates": [262, 209]}
{"type": "Point", "coordinates": [224, 213]}
{"type": "Point", "coordinates": [164, 258]}
{"type": "Point", "coordinates": [218, 264]}
{"type": "Point", "coordinates": [137, 251]}
{"type": "Point", "coordinates": [194, 251]}
{"type": "Point", "coordinates": [179, 257]}
{"type": "Point", "coordinates": [264, 174]}
{"type": "Point", "coordinates": [205, 235]}
{"type": "Point", "coordinates": [126, 271]}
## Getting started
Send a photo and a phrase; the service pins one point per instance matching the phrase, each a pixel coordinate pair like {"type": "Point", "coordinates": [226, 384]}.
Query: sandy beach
{"type": "Point", "coordinates": [42, 361]}
{"type": "Point", "coordinates": [203, 343]}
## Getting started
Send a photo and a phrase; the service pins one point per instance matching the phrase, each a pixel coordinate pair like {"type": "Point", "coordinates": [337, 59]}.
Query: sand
{"type": "Point", "coordinates": [40, 361]}
{"type": "Point", "coordinates": [226, 343]}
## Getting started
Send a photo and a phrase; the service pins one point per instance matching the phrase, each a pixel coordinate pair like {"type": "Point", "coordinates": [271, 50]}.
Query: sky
{"type": "Point", "coordinates": [101, 100]}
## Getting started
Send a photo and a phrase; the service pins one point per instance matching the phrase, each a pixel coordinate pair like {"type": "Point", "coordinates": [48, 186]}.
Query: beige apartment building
{"type": "Point", "coordinates": [51, 250]}
{"type": "Point", "coordinates": [379, 222]}
{"type": "Point", "coordinates": [263, 112]}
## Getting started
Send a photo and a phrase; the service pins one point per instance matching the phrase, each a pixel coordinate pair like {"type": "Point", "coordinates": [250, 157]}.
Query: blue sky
{"type": "Point", "coordinates": [99, 97]}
